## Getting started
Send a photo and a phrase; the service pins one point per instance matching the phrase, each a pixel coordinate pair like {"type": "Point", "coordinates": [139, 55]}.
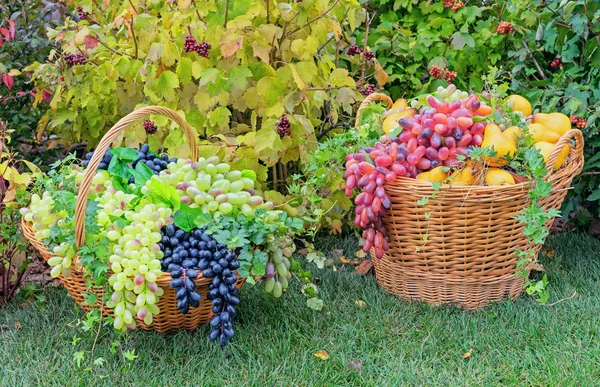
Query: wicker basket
{"type": "Point", "coordinates": [170, 318]}
{"type": "Point", "coordinates": [469, 258]}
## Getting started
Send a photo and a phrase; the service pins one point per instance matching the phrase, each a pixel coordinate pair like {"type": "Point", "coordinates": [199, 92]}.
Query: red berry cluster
{"type": "Point", "coordinates": [448, 3]}
{"type": "Point", "coordinates": [450, 75]}
{"type": "Point", "coordinates": [369, 89]}
{"type": "Point", "coordinates": [82, 14]}
{"type": "Point", "coordinates": [556, 63]}
{"type": "Point", "coordinates": [74, 59]}
{"type": "Point", "coordinates": [191, 45]}
{"type": "Point", "coordinates": [283, 127]}
{"type": "Point", "coordinates": [369, 55]}
{"type": "Point", "coordinates": [434, 137]}
{"type": "Point", "coordinates": [150, 127]}
{"type": "Point", "coordinates": [454, 4]}
{"type": "Point", "coordinates": [354, 50]}
{"type": "Point", "coordinates": [505, 28]}
{"type": "Point", "coordinates": [436, 72]}
{"type": "Point", "coordinates": [580, 122]}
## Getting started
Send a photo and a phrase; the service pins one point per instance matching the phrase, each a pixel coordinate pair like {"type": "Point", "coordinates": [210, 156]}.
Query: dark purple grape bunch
{"type": "Point", "coordinates": [283, 127]}
{"type": "Point", "coordinates": [74, 59]}
{"type": "Point", "coordinates": [354, 50]}
{"type": "Point", "coordinates": [369, 89]}
{"type": "Point", "coordinates": [150, 127]}
{"type": "Point", "coordinates": [298, 1]}
{"type": "Point", "coordinates": [82, 14]}
{"type": "Point", "coordinates": [191, 45]}
{"type": "Point", "coordinates": [369, 55]}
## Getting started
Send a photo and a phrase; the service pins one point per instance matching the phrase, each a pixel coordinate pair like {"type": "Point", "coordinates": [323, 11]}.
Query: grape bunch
{"type": "Point", "coordinates": [369, 55]}
{"type": "Point", "coordinates": [580, 122]}
{"type": "Point", "coordinates": [278, 267]}
{"type": "Point", "coordinates": [283, 127]}
{"type": "Point", "coordinates": [191, 45]}
{"type": "Point", "coordinates": [41, 215]}
{"type": "Point", "coordinates": [505, 28]}
{"type": "Point", "coordinates": [436, 72]}
{"type": "Point", "coordinates": [152, 160]}
{"type": "Point", "coordinates": [220, 265]}
{"type": "Point", "coordinates": [369, 89]}
{"type": "Point", "coordinates": [150, 127]}
{"type": "Point", "coordinates": [74, 59]}
{"type": "Point", "coordinates": [82, 14]}
{"type": "Point", "coordinates": [556, 63]}
{"type": "Point", "coordinates": [435, 136]}
{"type": "Point", "coordinates": [354, 50]}
{"type": "Point", "coordinates": [182, 251]}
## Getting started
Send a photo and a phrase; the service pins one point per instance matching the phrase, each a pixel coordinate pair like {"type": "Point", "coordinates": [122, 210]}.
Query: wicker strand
{"type": "Point", "coordinates": [370, 98]}
{"type": "Point", "coordinates": [106, 141]}
{"type": "Point", "coordinates": [576, 157]}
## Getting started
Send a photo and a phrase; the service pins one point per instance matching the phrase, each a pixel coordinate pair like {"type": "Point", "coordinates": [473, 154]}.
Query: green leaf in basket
{"type": "Point", "coordinates": [186, 217]}
{"type": "Point", "coordinates": [423, 201]}
{"type": "Point", "coordinates": [124, 154]}
{"type": "Point", "coordinates": [90, 299]}
{"type": "Point", "coordinates": [120, 162]}
{"type": "Point", "coordinates": [121, 222]}
{"type": "Point", "coordinates": [165, 194]}
{"type": "Point", "coordinates": [142, 173]}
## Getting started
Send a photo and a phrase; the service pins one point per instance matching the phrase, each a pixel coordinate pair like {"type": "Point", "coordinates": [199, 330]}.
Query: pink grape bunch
{"type": "Point", "coordinates": [74, 59]}
{"type": "Point", "coordinates": [505, 28]}
{"type": "Point", "coordinates": [369, 89]}
{"type": "Point", "coordinates": [369, 55]}
{"type": "Point", "coordinates": [436, 136]}
{"type": "Point", "coordinates": [191, 45]}
{"type": "Point", "coordinates": [354, 50]}
{"type": "Point", "coordinates": [283, 127]}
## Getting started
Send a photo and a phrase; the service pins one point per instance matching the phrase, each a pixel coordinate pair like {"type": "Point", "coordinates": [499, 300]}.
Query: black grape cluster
{"type": "Point", "coordinates": [354, 50]}
{"type": "Point", "coordinates": [283, 127]}
{"type": "Point", "coordinates": [82, 14]}
{"type": "Point", "coordinates": [187, 253]}
{"type": "Point", "coordinates": [150, 127]}
{"type": "Point", "coordinates": [369, 55]}
{"type": "Point", "coordinates": [74, 59]}
{"type": "Point", "coordinates": [369, 89]}
{"type": "Point", "coordinates": [183, 250]}
{"type": "Point", "coordinates": [153, 161]}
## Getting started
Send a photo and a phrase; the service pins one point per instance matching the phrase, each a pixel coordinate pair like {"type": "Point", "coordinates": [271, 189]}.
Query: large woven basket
{"type": "Point", "coordinates": [170, 318]}
{"type": "Point", "coordinates": [469, 258]}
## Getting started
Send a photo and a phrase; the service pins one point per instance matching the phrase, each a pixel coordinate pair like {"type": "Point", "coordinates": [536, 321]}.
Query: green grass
{"type": "Point", "coordinates": [400, 344]}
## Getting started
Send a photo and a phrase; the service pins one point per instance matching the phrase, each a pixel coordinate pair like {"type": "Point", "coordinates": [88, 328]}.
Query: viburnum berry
{"type": "Point", "coordinates": [354, 50]}
{"type": "Point", "coordinates": [369, 89]}
{"type": "Point", "coordinates": [74, 59]}
{"type": "Point", "coordinates": [283, 127]}
{"type": "Point", "coordinates": [505, 28]}
{"type": "Point", "coordinates": [457, 5]}
{"type": "Point", "coordinates": [448, 3]}
{"type": "Point", "coordinates": [369, 55]}
{"type": "Point", "coordinates": [580, 122]}
{"type": "Point", "coordinates": [190, 44]}
{"type": "Point", "coordinates": [450, 75]}
{"type": "Point", "coordinates": [556, 63]}
{"type": "Point", "coordinates": [436, 71]}
{"type": "Point", "coordinates": [82, 14]}
{"type": "Point", "coordinates": [150, 127]}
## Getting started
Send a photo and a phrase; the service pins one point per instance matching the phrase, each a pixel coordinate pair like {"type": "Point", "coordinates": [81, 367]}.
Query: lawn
{"type": "Point", "coordinates": [514, 343]}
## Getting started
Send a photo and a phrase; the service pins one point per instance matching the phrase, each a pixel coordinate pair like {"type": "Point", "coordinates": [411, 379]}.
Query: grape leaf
{"type": "Point", "coordinates": [166, 84]}
{"type": "Point", "coordinates": [259, 262]}
{"type": "Point", "coordinates": [165, 194]}
{"type": "Point", "coordinates": [186, 217]}
{"type": "Point", "coordinates": [142, 173]}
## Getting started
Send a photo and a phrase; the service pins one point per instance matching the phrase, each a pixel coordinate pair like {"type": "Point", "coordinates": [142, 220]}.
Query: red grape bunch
{"type": "Point", "coordinates": [369, 89]}
{"type": "Point", "coordinates": [74, 59]}
{"type": "Point", "coordinates": [82, 14]}
{"type": "Point", "coordinates": [354, 50]}
{"type": "Point", "coordinates": [556, 63]}
{"type": "Point", "coordinates": [369, 55]}
{"type": "Point", "coordinates": [505, 28]}
{"type": "Point", "coordinates": [580, 122]}
{"type": "Point", "coordinates": [283, 127]}
{"type": "Point", "coordinates": [191, 45]}
{"type": "Point", "coordinates": [436, 136]}
{"type": "Point", "coordinates": [149, 127]}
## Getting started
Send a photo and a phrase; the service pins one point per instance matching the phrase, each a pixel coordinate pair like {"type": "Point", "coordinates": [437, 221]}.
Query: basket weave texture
{"type": "Point", "coordinates": [169, 318]}
{"type": "Point", "coordinates": [469, 258]}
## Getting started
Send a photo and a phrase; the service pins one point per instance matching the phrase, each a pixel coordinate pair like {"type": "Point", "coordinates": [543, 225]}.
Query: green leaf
{"type": "Point", "coordinates": [219, 117]}
{"type": "Point", "coordinates": [238, 77]}
{"type": "Point", "coordinates": [315, 303]}
{"type": "Point", "coordinates": [460, 39]}
{"type": "Point", "coordinates": [184, 70]}
{"type": "Point", "coordinates": [209, 76]}
{"type": "Point", "coordinates": [594, 196]}
{"type": "Point", "coordinates": [165, 194]}
{"type": "Point", "coordinates": [170, 53]}
{"type": "Point", "coordinates": [166, 84]}
{"type": "Point", "coordinates": [259, 263]}
{"type": "Point", "coordinates": [186, 217]}
{"type": "Point", "coordinates": [142, 173]}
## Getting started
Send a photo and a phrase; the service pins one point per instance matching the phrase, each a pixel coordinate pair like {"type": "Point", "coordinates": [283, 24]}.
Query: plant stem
{"type": "Point", "coordinates": [268, 11]}
{"type": "Point", "coordinates": [227, 13]}
{"type": "Point", "coordinates": [537, 65]}
{"type": "Point", "coordinates": [133, 7]}
{"type": "Point", "coordinates": [197, 13]}
{"type": "Point", "coordinates": [364, 63]}
{"type": "Point", "coordinates": [135, 45]}
{"type": "Point", "coordinates": [310, 21]}
{"type": "Point", "coordinates": [274, 169]}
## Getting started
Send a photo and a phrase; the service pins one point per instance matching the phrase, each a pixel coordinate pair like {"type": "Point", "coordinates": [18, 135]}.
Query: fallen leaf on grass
{"type": "Point", "coordinates": [303, 251]}
{"type": "Point", "coordinates": [468, 354]}
{"type": "Point", "coordinates": [549, 252]}
{"type": "Point", "coordinates": [537, 267]}
{"type": "Point", "coordinates": [18, 325]}
{"type": "Point", "coordinates": [355, 365]}
{"type": "Point", "coordinates": [364, 267]}
{"type": "Point", "coordinates": [361, 304]}
{"type": "Point", "coordinates": [338, 253]}
{"type": "Point", "coordinates": [322, 354]}
{"type": "Point", "coordinates": [360, 254]}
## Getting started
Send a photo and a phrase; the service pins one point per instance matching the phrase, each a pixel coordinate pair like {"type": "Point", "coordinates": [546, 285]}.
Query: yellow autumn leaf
{"type": "Point", "coordinates": [468, 353]}
{"type": "Point", "coordinates": [322, 354]}
{"type": "Point", "coordinates": [360, 254]}
{"type": "Point", "coordinates": [361, 304]}
{"type": "Point", "coordinates": [380, 75]}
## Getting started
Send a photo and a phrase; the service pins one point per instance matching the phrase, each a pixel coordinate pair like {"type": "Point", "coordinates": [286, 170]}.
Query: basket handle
{"type": "Point", "coordinates": [370, 98]}
{"type": "Point", "coordinates": [576, 156]}
{"type": "Point", "coordinates": [103, 145]}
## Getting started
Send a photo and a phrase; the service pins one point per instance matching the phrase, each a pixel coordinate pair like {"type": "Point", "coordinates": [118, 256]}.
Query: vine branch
{"type": "Point", "coordinates": [310, 21]}
{"type": "Point", "coordinates": [537, 65]}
